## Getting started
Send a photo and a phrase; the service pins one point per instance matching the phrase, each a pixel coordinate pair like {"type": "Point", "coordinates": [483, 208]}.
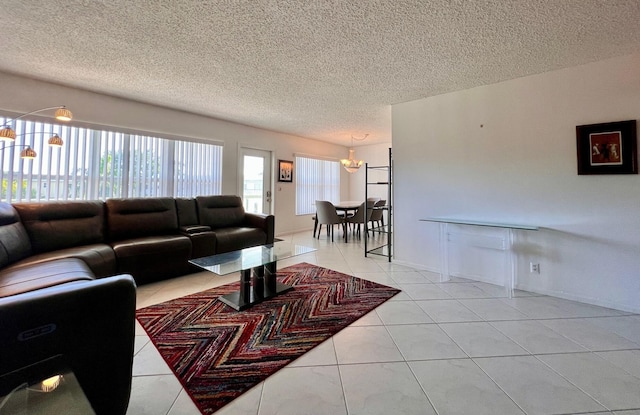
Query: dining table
{"type": "Point", "coordinates": [347, 206]}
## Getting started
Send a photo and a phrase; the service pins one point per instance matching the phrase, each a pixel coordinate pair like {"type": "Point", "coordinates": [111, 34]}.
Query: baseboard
{"type": "Point", "coordinates": [558, 294]}
{"type": "Point", "coordinates": [581, 299]}
{"type": "Point", "coordinates": [478, 278]}
{"type": "Point", "coordinates": [310, 230]}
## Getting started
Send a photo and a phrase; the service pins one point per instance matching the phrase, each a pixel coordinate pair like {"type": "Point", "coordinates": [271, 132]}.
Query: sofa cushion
{"type": "Point", "coordinates": [15, 280]}
{"type": "Point", "coordinates": [14, 240]}
{"type": "Point", "coordinates": [232, 239]}
{"type": "Point", "coordinates": [153, 258]}
{"type": "Point", "coordinates": [59, 225]}
{"type": "Point", "coordinates": [187, 211]}
{"type": "Point", "coordinates": [220, 211]}
{"type": "Point", "coordinates": [99, 257]}
{"type": "Point", "coordinates": [140, 217]}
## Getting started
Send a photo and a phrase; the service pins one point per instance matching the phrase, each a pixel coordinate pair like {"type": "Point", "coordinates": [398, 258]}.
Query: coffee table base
{"type": "Point", "coordinates": [234, 299]}
{"type": "Point", "coordinates": [256, 285]}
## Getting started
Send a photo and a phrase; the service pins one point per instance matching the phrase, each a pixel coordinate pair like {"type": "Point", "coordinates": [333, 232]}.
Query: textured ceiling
{"type": "Point", "coordinates": [324, 69]}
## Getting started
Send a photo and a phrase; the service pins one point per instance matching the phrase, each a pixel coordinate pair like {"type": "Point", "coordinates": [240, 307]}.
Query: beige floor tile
{"type": "Point", "coordinates": [382, 389]}
{"type": "Point", "coordinates": [153, 395]}
{"type": "Point", "coordinates": [410, 353]}
{"type": "Point", "coordinates": [536, 388]}
{"type": "Point", "coordinates": [424, 342]}
{"type": "Point", "coordinates": [608, 384]}
{"type": "Point", "coordinates": [448, 311]}
{"type": "Point", "coordinates": [536, 337]}
{"type": "Point", "coordinates": [366, 344]}
{"type": "Point", "coordinates": [480, 339]}
{"type": "Point", "coordinates": [310, 390]}
{"type": "Point", "coordinates": [459, 387]}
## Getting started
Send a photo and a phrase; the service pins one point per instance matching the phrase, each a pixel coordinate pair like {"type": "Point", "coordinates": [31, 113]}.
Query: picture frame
{"type": "Point", "coordinates": [285, 171]}
{"type": "Point", "coordinates": [607, 148]}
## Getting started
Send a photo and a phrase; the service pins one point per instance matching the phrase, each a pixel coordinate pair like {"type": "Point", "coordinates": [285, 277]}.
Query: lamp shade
{"type": "Point", "coordinates": [63, 114]}
{"type": "Point", "coordinates": [55, 140]}
{"type": "Point", "coordinates": [7, 133]}
{"type": "Point", "coordinates": [50, 384]}
{"type": "Point", "coordinates": [28, 153]}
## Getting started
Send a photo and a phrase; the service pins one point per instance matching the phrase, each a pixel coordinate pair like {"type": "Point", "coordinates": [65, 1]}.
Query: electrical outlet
{"type": "Point", "coordinates": [534, 268]}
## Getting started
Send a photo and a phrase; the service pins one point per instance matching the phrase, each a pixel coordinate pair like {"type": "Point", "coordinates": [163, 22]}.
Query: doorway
{"type": "Point", "coordinates": [255, 180]}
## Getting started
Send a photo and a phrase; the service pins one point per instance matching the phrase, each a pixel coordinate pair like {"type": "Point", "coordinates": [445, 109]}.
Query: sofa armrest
{"type": "Point", "coordinates": [194, 229]}
{"type": "Point", "coordinates": [264, 222]}
{"type": "Point", "coordinates": [89, 323]}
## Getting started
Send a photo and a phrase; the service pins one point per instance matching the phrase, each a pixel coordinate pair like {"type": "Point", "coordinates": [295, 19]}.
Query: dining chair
{"type": "Point", "coordinates": [327, 215]}
{"type": "Point", "coordinates": [314, 218]}
{"type": "Point", "coordinates": [377, 217]}
{"type": "Point", "coordinates": [374, 200]}
{"type": "Point", "coordinates": [362, 216]}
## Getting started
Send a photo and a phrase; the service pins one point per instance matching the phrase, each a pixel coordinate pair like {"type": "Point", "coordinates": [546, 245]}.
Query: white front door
{"type": "Point", "coordinates": [255, 179]}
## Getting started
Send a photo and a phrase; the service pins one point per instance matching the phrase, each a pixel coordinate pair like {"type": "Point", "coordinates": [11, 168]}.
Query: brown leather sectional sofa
{"type": "Point", "coordinates": [68, 274]}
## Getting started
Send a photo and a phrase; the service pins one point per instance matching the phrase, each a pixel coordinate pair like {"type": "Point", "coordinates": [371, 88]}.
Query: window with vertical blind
{"type": "Point", "coordinates": [99, 164]}
{"type": "Point", "coordinates": [316, 179]}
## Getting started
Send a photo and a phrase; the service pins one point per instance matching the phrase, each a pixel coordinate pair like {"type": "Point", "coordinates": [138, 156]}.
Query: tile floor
{"type": "Point", "coordinates": [459, 347]}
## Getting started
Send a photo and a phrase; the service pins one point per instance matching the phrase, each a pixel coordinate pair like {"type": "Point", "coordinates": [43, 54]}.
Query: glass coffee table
{"type": "Point", "coordinates": [257, 266]}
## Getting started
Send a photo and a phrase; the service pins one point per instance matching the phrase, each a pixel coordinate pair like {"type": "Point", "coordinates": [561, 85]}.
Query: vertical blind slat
{"type": "Point", "coordinates": [315, 180]}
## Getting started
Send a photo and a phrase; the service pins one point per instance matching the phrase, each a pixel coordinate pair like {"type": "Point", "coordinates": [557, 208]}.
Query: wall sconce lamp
{"type": "Point", "coordinates": [351, 164]}
{"type": "Point", "coordinates": [8, 134]}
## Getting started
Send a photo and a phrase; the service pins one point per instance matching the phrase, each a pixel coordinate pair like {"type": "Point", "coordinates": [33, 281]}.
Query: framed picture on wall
{"type": "Point", "coordinates": [285, 169]}
{"type": "Point", "coordinates": [609, 148]}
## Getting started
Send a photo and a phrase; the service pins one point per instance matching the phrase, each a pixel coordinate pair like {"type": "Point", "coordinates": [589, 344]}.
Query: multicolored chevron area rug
{"type": "Point", "coordinates": [219, 353]}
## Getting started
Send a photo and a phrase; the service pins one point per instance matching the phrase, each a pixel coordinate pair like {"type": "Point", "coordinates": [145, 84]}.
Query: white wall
{"type": "Point", "coordinates": [22, 95]}
{"type": "Point", "coordinates": [507, 153]}
{"type": "Point", "coordinates": [373, 155]}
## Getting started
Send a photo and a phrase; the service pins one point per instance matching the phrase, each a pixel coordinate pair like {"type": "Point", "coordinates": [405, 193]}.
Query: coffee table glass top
{"type": "Point", "coordinates": [247, 258]}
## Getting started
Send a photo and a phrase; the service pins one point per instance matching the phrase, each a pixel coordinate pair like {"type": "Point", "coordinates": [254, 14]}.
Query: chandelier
{"type": "Point", "coordinates": [351, 164]}
{"type": "Point", "coordinates": [8, 134]}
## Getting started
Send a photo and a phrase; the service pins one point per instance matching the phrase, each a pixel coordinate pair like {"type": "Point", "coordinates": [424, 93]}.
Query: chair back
{"type": "Point", "coordinates": [377, 213]}
{"type": "Point", "coordinates": [363, 214]}
{"type": "Point", "coordinates": [326, 213]}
